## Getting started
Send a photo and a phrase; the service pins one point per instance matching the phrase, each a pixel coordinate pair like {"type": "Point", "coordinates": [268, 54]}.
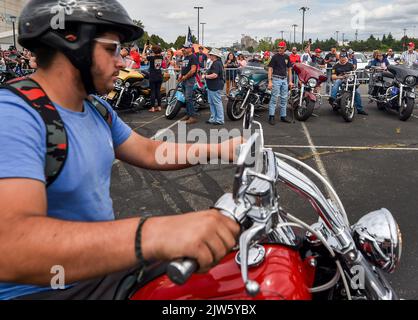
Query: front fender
{"type": "Point", "coordinates": [180, 96]}
{"type": "Point", "coordinates": [235, 93]}
{"type": "Point", "coordinates": [310, 96]}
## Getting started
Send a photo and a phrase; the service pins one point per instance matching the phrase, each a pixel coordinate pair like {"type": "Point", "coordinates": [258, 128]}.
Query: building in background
{"type": "Point", "coordinates": [247, 42]}
{"type": "Point", "coordinates": [9, 9]}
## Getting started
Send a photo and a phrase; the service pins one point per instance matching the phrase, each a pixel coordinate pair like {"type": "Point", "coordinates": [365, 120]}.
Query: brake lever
{"type": "Point", "coordinates": [255, 231]}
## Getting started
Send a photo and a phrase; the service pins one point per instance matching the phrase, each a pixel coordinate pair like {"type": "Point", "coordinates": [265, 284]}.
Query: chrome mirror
{"type": "Point", "coordinates": [378, 237]}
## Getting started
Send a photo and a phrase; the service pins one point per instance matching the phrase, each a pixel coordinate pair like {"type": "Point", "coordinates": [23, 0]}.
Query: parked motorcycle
{"type": "Point", "coordinates": [251, 88]}
{"type": "Point", "coordinates": [177, 100]}
{"type": "Point", "coordinates": [329, 260]}
{"type": "Point", "coordinates": [132, 90]}
{"type": "Point", "coordinates": [345, 102]}
{"type": "Point", "coordinates": [394, 89]}
{"type": "Point", "coordinates": [303, 97]}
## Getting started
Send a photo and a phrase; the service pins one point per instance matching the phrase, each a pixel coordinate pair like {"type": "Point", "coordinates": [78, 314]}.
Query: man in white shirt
{"type": "Point", "coordinates": [410, 56]}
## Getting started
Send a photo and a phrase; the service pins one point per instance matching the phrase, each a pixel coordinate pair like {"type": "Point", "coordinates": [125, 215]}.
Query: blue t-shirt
{"type": "Point", "coordinates": [82, 190]}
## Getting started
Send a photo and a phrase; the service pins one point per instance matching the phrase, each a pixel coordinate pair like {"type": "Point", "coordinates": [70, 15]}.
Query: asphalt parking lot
{"type": "Point", "coordinates": [372, 163]}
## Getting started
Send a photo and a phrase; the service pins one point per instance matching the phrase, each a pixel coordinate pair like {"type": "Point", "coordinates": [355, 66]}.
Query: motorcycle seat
{"type": "Point", "coordinates": [388, 74]}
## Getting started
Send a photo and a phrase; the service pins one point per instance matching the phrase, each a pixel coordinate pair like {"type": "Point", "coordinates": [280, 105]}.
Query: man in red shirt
{"type": "Point", "coordinates": [294, 57]}
{"type": "Point", "coordinates": [136, 57]}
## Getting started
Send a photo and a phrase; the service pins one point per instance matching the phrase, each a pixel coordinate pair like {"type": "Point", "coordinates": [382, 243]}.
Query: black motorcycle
{"type": "Point", "coordinates": [394, 89]}
{"type": "Point", "coordinates": [345, 102]}
{"type": "Point", "coordinates": [251, 88]}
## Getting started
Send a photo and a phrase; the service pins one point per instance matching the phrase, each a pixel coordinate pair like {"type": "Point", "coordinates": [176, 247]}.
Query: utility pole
{"type": "Point", "coordinates": [337, 32]}
{"type": "Point", "coordinates": [294, 33]}
{"type": "Point", "coordinates": [303, 9]}
{"type": "Point", "coordinates": [404, 39]}
{"type": "Point", "coordinates": [356, 35]}
{"type": "Point", "coordinates": [282, 32]}
{"type": "Point", "coordinates": [203, 32]}
{"type": "Point", "coordinates": [343, 38]}
{"type": "Point", "coordinates": [198, 23]}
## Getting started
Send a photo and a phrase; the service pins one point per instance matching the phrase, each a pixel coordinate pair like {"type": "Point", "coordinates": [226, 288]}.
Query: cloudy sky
{"type": "Point", "coordinates": [227, 20]}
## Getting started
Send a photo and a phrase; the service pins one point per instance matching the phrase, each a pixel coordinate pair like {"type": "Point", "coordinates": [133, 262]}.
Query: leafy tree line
{"type": "Point", "coordinates": [372, 43]}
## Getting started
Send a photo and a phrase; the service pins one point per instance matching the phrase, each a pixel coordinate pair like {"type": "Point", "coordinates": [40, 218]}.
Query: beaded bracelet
{"type": "Point", "coordinates": [138, 241]}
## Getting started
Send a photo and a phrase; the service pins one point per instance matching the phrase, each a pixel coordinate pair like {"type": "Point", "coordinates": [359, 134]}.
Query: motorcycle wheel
{"type": "Point", "coordinates": [303, 113]}
{"type": "Point", "coordinates": [347, 111]}
{"type": "Point", "coordinates": [405, 111]}
{"type": "Point", "coordinates": [233, 109]}
{"type": "Point", "coordinates": [173, 106]}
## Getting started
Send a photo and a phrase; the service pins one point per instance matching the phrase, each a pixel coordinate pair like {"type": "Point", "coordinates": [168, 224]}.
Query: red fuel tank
{"type": "Point", "coordinates": [283, 275]}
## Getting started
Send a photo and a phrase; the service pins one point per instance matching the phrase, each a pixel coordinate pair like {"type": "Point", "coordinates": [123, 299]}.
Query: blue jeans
{"type": "Point", "coordinates": [188, 86]}
{"type": "Point", "coordinates": [216, 106]}
{"type": "Point", "coordinates": [357, 97]}
{"type": "Point", "coordinates": [280, 88]}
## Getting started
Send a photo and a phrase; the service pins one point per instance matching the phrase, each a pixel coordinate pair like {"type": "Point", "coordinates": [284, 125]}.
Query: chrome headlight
{"type": "Point", "coordinates": [252, 82]}
{"type": "Point", "coordinates": [237, 79]}
{"type": "Point", "coordinates": [119, 83]}
{"type": "Point", "coordinates": [243, 81]}
{"type": "Point", "coordinates": [350, 79]}
{"type": "Point", "coordinates": [378, 237]}
{"type": "Point", "coordinates": [127, 85]}
{"type": "Point", "coordinates": [410, 81]}
{"type": "Point", "coordinates": [312, 82]}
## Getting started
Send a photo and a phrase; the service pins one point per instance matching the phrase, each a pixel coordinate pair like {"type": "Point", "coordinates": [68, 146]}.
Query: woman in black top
{"type": "Point", "coordinates": [155, 60]}
{"type": "Point", "coordinates": [231, 63]}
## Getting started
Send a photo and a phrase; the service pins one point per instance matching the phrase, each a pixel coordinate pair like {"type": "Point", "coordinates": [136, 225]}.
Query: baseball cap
{"type": "Point", "coordinates": [317, 50]}
{"type": "Point", "coordinates": [343, 54]}
{"type": "Point", "coordinates": [282, 44]}
{"type": "Point", "coordinates": [411, 44]}
{"type": "Point", "coordinates": [187, 46]}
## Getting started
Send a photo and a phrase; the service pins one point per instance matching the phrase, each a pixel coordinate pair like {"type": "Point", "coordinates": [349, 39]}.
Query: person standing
{"type": "Point", "coordinates": [279, 72]}
{"type": "Point", "coordinates": [136, 57]}
{"type": "Point", "coordinates": [231, 65]}
{"type": "Point", "coordinates": [330, 59]}
{"type": "Point", "coordinates": [215, 82]}
{"type": "Point", "coordinates": [155, 60]}
{"type": "Point", "coordinates": [410, 56]}
{"type": "Point", "coordinates": [202, 58]}
{"type": "Point", "coordinates": [188, 80]}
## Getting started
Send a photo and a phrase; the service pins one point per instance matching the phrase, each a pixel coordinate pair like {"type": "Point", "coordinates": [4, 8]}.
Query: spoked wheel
{"type": "Point", "coordinates": [406, 109]}
{"type": "Point", "coordinates": [347, 108]}
{"type": "Point", "coordinates": [173, 105]}
{"type": "Point", "coordinates": [302, 113]}
{"type": "Point", "coordinates": [235, 110]}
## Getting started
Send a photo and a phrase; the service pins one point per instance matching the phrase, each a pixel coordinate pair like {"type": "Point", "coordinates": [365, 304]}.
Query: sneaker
{"type": "Point", "coordinates": [210, 122]}
{"type": "Point", "coordinates": [364, 113]}
{"type": "Point", "coordinates": [271, 120]}
{"type": "Point", "coordinates": [191, 120]}
{"type": "Point", "coordinates": [284, 119]}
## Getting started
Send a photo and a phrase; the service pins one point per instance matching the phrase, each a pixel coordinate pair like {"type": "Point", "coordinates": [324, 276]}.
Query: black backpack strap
{"type": "Point", "coordinates": [101, 109]}
{"type": "Point", "coordinates": [56, 135]}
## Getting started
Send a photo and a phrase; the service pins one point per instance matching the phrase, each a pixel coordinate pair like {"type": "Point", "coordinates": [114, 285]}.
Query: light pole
{"type": "Point", "coordinates": [304, 9]}
{"type": "Point", "coordinates": [282, 32]}
{"type": "Point", "coordinates": [294, 33]}
{"type": "Point", "coordinates": [337, 32]}
{"type": "Point", "coordinates": [356, 35]}
{"type": "Point", "coordinates": [203, 33]}
{"type": "Point", "coordinates": [198, 23]}
{"type": "Point", "coordinates": [404, 38]}
{"type": "Point", "coordinates": [13, 21]}
{"type": "Point", "coordinates": [343, 38]}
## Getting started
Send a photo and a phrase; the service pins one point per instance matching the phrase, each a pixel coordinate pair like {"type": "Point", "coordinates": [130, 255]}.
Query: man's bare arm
{"type": "Point", "coordinates": [31, 243]}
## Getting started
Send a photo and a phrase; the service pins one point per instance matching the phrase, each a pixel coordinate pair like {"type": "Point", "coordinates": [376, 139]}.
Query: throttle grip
{"type": "Point", "coordinates": [179, 271]}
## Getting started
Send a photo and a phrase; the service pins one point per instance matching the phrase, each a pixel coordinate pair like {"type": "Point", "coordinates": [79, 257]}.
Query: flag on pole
{"type": "Point", "coordinates": [189, 39]}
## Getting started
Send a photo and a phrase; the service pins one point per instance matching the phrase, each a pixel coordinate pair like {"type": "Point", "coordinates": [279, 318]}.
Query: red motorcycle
{"type": "Point", "coordinates": [303, 97]}
{"type": "Point", "coordinates": [329, 260]}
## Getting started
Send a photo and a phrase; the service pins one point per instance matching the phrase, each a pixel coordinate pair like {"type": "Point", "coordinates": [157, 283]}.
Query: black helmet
{"type": "Point", "coordinates": [70, 26]}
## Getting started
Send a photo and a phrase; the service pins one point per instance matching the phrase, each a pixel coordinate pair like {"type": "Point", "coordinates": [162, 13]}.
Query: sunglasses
{"type": "Point", "coordinates": [117, 46]}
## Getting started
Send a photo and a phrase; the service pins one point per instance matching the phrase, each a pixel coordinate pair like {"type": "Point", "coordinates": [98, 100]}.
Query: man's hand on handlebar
{"type": "Point", "coordinates": [205, 236]}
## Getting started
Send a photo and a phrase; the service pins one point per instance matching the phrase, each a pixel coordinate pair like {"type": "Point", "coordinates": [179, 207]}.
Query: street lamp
{"type": "Point", "coordinates": [13, 20]}
{"type": "Point", "coordinates": [294, 33]}
{"type": "Point", "coordinates": [303, 9]}
{"type": "Point", "coordinates": [198, 23]}
{"type": "Point", "coordinates": [203, 32]}
{"type": "Point", "coordinates": [337, 32]}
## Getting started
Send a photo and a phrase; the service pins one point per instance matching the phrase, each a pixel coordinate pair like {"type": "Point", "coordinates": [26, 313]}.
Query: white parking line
{"type": "Point", "coordinates": [401, 148]}
{"type": "Point", "coordinates": [317, 158]}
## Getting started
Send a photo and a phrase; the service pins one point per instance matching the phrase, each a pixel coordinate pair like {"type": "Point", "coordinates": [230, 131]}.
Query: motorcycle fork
{"type": "Point", "coordinates": [302, 92]}
{"type": "Point", "coordinates": [400, 95]}
{"type": "Point", "coordinates": [246, 98]}
{"type": "Point", "coordinates": [120, 97]}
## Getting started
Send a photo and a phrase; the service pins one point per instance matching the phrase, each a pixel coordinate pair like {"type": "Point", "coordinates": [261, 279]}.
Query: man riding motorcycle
{"type": "Point", "coordinates": [341, 67]}
{"type": "Point", "coordinates": [69, 224]}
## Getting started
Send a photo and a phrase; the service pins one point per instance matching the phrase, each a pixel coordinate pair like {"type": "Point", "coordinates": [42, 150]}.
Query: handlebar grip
{"type": "Point", "coordinates": [179, 271]}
